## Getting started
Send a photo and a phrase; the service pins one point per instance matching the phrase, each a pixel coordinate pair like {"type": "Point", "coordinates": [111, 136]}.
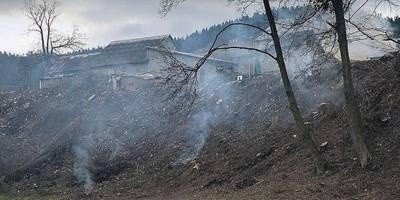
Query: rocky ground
{"type": "Point", "coordinates": [237, 142]}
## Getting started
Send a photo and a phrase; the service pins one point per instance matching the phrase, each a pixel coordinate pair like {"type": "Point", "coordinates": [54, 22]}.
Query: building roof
{"type": "Point", "coordinates": [146, 41]}
{"type": "Point", "coordinates": [119, 52]}
{"type": "Point", "coordinates": [121, 47]}
{"type": "Point", "coordinates": [100, 59]}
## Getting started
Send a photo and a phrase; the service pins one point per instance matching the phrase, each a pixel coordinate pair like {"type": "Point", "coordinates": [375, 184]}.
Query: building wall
{"type": "Point", "coordinates": [123, 69]}
{"type": "Point", "coordinates": [59, 82]}
{"type": "Point", "coordinates": [169, 44]}
{"type": "Point", "coordinates": [211, 70]}
{"type": "Point", "coordinates": [49, 83]}
{"type": "Point", "coordinates": [132, 83]}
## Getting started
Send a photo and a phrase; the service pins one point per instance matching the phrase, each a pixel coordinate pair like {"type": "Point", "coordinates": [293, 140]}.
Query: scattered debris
{"type": "Point", "coordinates": [26, 105]}
{"type": "Point", "coordinates": [196, 166]}
{"type": "Point", "coordinates": [91, 97]}
{"type": "Point", "coordinates": [324, 144]}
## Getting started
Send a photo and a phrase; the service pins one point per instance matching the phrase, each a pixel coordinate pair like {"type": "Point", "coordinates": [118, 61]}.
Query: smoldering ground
{"type": "Point", "coordinates": [85, 120]}
{"type": "Point", "coordinates": [105, 124]}
{"type": "Point", "coordinates": [111, 122]}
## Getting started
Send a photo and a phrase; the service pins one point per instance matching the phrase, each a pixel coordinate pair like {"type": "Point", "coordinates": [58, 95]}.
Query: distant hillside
{"type": "Point", "coordinates": [395, 23]}
{"type": "Point", "coordinates": [202, 39]}
{"type": "Point", "coordinates": [11, 70]}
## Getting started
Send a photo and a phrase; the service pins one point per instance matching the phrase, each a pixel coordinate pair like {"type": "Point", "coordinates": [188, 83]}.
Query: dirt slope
{"type": "Point", "coordinates": [252, 149]}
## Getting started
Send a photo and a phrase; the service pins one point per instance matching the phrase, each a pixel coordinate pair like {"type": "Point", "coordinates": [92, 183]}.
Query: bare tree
{"type": "Point", "coordinates": [36, 13]}
{"type": "Point", "coordinates": [43, 14]}
{"type": "Point", "coordinates": [357, 133]}
{"type": "Point", "coordinates": [190, 72]}
{"type": "Point", "coordinates": [339, 9]}
{"type": "Point", "coordinates": [339, 30]}
{"type": "Point", "coordinates": [50, 9]}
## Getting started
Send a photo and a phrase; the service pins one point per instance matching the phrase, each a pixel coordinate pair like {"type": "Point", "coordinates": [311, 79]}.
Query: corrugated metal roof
{"type": "Point", "coordinates": [120, 52]}
{"type": "Point", "coordinates": [140, 40]}
{"type": "Point", "coordinates": [102, 59]}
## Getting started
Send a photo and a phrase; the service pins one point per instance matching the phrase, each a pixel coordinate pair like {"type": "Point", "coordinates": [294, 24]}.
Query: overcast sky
{"type": "Point", "coordinates": [105, 20]}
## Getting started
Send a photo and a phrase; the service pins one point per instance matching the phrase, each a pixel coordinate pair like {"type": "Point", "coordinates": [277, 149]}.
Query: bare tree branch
{"type": "Point", "coordinates": [36, 13]}
{"type": "Point", "coordinates": [184, 77]}
{"type": "Point", "coordinates": [72, 42]}
{"type": "Point", "coordinates": [43, 14]}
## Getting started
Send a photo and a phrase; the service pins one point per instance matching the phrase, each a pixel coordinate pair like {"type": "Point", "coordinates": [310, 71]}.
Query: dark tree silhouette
{"type": "Point", "coordinates": [43, 14]}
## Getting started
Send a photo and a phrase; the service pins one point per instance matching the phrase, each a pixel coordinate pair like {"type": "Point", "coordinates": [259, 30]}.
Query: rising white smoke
{"type": "Point", "coordinates": [82, 162]}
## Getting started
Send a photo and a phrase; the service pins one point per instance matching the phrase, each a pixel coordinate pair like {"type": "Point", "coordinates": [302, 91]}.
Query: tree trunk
{"type": "Point", "coordinates": [351, 102]}
{"type": "Point", "coordinates": [48, 38]}
{"type": "Point", "coordinates": [42, 40]}
{"type": "Point", "coordinates": [306, 133]}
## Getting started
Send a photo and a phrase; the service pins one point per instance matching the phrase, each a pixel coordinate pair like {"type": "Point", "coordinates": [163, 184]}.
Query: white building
{"type": "Point", "coordinates": [130, 59]}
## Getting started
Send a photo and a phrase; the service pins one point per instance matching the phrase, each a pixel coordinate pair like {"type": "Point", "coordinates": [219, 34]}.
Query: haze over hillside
{"type": "Point", "coordinates": [186, 99]}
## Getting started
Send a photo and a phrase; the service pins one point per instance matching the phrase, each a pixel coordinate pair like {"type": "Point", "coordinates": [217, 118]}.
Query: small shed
{"type": "Point", "coordinates": [56, 81]}
{"type": "Point", "coordinates": [132, 82]}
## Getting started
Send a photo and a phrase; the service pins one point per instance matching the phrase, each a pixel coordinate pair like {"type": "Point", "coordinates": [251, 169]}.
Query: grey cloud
{"type": "Point", "coordinates": [127, 19]}
{"type": "Point", "coordinates": [106, 20]}
{"type": "Point", "coordinates": [9, 6]}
